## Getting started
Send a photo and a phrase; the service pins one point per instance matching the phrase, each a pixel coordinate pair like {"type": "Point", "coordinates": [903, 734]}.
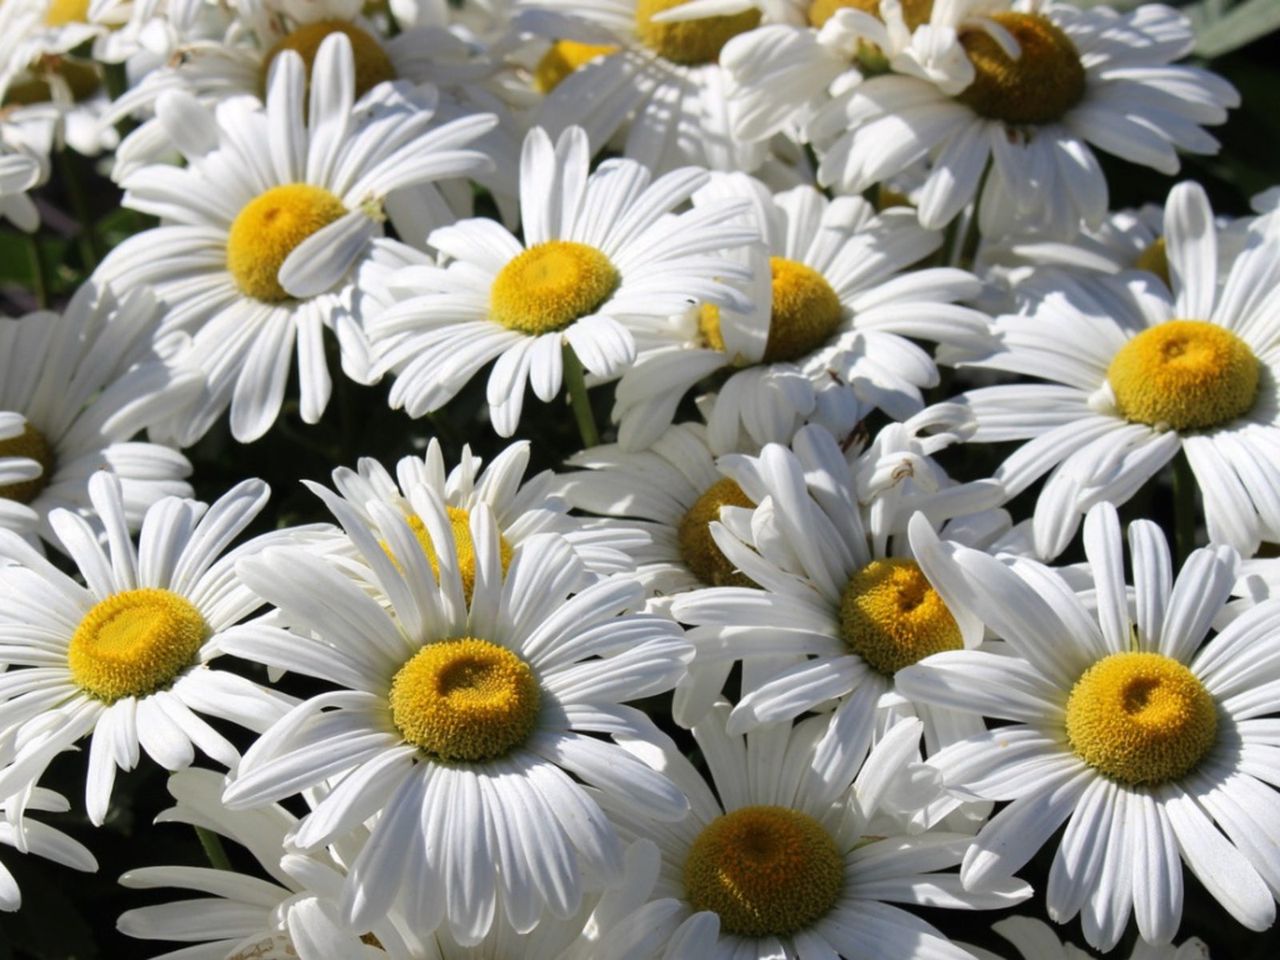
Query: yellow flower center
{"type": "Point", "coordinates": [698, 549]}
{"type": "Point", "coordinates": [767, 871]}
{"type": "Point", "coordinates": [892, 617]}
{"type": "Point", "coordinates": [914, 12]}
{"type": "Point", "coordinates": [135, 643]}
{"type": "Point", "coordinates": [465, 699]}
{"type": "Point", "coordinates": [268, 228]}
{"type": "Point", "coordinates": [32, 445]}
{"type": "Point", "coordinates": [1141, 718]}
{"type": "Point", "coordinates": [1155, 259]}
{"type": "Point", "coordinates": [61, 12]}
{"type": "Point", "coordinates": [372, 64]}
{"type": "Point", "coordinates": [460, 523]}
{"type": "Point", "coordinates": [804, 314]}
{"type": "Point", "coordinates": [1040, 86]}
{"type": "Point", "coordinates": [1184, 375]}
{"type": "Point", "coordinates": [564, 57]}
{"type": "Point", "coordinates": [689, 42]}
{"type": "Point", "coordinates": [550, 285]}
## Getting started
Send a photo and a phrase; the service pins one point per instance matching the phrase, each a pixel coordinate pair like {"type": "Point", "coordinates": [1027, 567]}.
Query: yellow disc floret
{"type": "Point", "coordinates": [564, 57]}
{"type": "Point", "coordinates": [268, 228]}
{"type": "Point", "coordinates": [1184, 375]}
{"type": "Point", "coordinates": [550, 285]}
{"type": "Point", "coordinates": [59, 13]}
{"type": "Point", "coordinates": [372, 64]}
{"type": "Point", "coordinates": [892, 617]}
{"type": "Point", "coordinates": [1040, 86]}
{"type": "Point", "coordinates": [1141, 718]}
{"type": "Point", "coordinates": [767, 871]}
{"type": "Point", "coordinates": [689, 42]}
{"type": "Point", "coordinates": [30, 443]}
{"type": "Point", "coordinates": [1155, 259]}
{"type": "Point", "coordinates": [914, 12]}
{"type": "Point", "coordinates": [460, 524]}
{"type": "Point", "coordinates": [805, 313]}
{"type": "Point", "coordinates": [135, 643]}
{"type": "Point", "coordinates": [465, 699]}
{"type": "Point", "coordinates": [698, 549]}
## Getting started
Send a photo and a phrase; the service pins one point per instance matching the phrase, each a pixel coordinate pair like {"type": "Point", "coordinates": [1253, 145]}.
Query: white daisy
{"type": "Point", "coordinates": [1035, 940]}
{"type": "Point", "coordinates": [457, 726]}
{"type": "Point", "coordinates": [243, 916]}
{"type": "Point", "coordinates": [263, 229]}
{"type": "Point", "coordinates": [124, 660]}
{"type": "Point", "coordinates": [75, 389]}
{"type": "Point", "coordinates": [1124, 724]}
{"type": "Point", "coordinates": [32, 837]}
{"type": "Point", "coordinates": [1136, 375]}
{"type": "Point", "coordinates": [843, 602]}
{"type": "Point", "coordinates": [520, 509]}
{"type": "Point", "coordinates": [826, 334]}
{"type": "Point", "coordinates": [601, 255]}
{"type": "Point", "coordinates": [768, 866]}
{"type": "Point", "coordinates": [1042, 82]}
{"type": "Point", "coordinates": [653, 83]}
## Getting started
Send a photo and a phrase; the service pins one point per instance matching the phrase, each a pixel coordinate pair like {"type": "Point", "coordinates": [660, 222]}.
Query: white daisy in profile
{"type": "Point", "coordinates": [768, 866]}
{"type": "Point", "coordinates": [602, 257]}
{"type": "Point", "coordinates": [76, 388]}
{"type": "Point", "coordinates": [826, 334]}
{"type": "Point", "coordinates": [28, 836]}
{"type": "Point", "coordinates": [842, 601]}
{"type": "Point", "coordinates": [630, 73]}
{"type": "Point", "coordinates": [1135, 375]}
{"type": "Point", "coordinates": [1148, 742]}
{"type": "Point", "coordinates": [124, 659]}
{"type": "Point", "coordinates": [264, 230]}
{"type": "Point", "coordinates": [467, 733]}
{"type": "Point", "coordinates": [521, 509]}
{"type": "Point", "coordinates": [671, 492]}
{"type": "Point", "coordinates": [1035, 940]}
{"type": "Point", "coordinates": [1042, 82]}
{"type": "Point", "coordinates": [292, 912]}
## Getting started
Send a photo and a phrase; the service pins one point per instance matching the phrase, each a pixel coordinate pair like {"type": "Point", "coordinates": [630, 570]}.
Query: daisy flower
{"type": "Point", "coordinates": [75, 389]}
{"type": "Point", "coordinates": [241, 916]}
{"type": "Point", "coordinates": [601, 256]}
{"type": "Point", "coordinates": [628, 70]}
{"type": "Point", "coordinates": [1035, 940]}
{"type": "Point", "coordinates": [826, 334]}
{"type": "Point", "coordinates": [124, 659]}
{"type": "Point", "coordinates": [469, 733]}
{"type": "Point", "coordinates": [32, 837]}
{"type": "Point", "coordinates": [1135, 375]}
{"type": "Point", "coordinates": [1043, 81]}
{"type": "Point", "coordinates": [520, 509]}
{"type": "Point", "coordinates": [1123, 723]}
{"type": "Point", "coordinates": [265, 229]}
{"type": "Point", "coordinates": [768, 866]}
{"type": "Point", "coordinates": [841, 601]}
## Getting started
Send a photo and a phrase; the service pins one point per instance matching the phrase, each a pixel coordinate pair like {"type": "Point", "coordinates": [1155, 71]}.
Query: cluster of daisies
{"type": "Point", "coordinates": [797, 651]}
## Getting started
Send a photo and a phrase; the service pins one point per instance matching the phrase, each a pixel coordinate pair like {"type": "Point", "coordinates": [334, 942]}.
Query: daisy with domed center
{"type": "Point", "coordinates": [767, 865]}
{"type": "Point", "coordinates": [839, 600]}
{"type": "Point", "coordinates": [826, 338]}
{"type": "Point", "coordinates": [464, 729]}
{"type": "Point", "coordinates": [76, 388]}
{"type": "Point", "coordinates": [1131, 374]}
{"type": "Point", "coordinates": [1124, 723]}
{"type": "Point", "coordinates": [626, 72]}
{"type": "Point", "coordinates": [1023, 93]}
{"type": "Point", "coordinates": [125, 659]}
{"type": "Point", "coordinates": [603, 259]}
{"type": "Point", "coordinates": [264, 233]}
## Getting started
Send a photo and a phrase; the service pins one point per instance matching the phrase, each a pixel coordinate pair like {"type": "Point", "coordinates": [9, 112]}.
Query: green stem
{"type": "Point", "coordinates": [38, 284]}
{"type": "Point", "coordinates": [576, 384]}
{"type": "Point", "coordinates": [86, 238]}
{"type": "Point", "coordinates": [1184, 508]}
{"type": "Point", "coordinates": [213, 849]}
